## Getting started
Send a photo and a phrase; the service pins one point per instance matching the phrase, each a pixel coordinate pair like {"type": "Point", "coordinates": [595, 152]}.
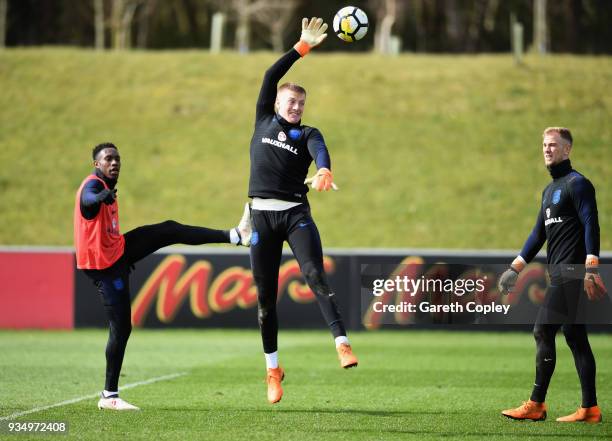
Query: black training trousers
{"type": "Point", "coordinates": [559, 310]}
{"type": "Point", "coordinates": [114, 286]}
{"type": "Point", "coordinates": [270, 230]}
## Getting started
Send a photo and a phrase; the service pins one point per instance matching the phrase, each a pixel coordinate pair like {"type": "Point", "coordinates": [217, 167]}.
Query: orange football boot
{"type": "Point", "coordinates": [273, 378]}
{"type": "Point", "coordinates": [583, 414]}
{"type": "Point", "coordinates": [530, 410]}
{"type": "Point", "coordinates": [346, 356]}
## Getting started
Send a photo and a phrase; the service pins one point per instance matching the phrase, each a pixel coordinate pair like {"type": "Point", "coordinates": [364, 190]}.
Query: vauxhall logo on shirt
{"type": "Point", "coordinates": [551, 220]}
{"type": "Point", "coordinates": [280, 142]}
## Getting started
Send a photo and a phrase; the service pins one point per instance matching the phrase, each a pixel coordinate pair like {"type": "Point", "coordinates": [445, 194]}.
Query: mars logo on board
{"type": "Point", "coordinates": [171, 284]}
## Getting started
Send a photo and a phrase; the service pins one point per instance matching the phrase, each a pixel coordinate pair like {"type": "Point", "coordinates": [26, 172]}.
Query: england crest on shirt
{"type": "Point", "coordinates": [556, 196]}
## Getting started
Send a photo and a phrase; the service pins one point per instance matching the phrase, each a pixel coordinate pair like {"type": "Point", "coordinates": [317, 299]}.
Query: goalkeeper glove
{"type": "Point", "coordinates": [593, 285]}
{"type": "Point", "coordinates": [323, 180]}
{"type": "Point", "coordinates": [313, 34]}
{"type": "Point", "coordinates": [507, 280]}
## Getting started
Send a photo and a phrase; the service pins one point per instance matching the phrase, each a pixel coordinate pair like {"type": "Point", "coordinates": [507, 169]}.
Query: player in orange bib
{"type": "Point", "coordinates": [106, 256]}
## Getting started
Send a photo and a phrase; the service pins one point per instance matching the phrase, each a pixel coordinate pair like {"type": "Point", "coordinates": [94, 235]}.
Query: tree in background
{"type": "Point", "coordinates": [144, 19]}
{"type": "Point", "coordinates": [581, 26]}
{"type": "Point", "coordinates": [482, 18]}
{"type": "Point", "coordinates": [274, 18]}
{"type": "Point", "coordinates": [271, 18]}
{"type": "Point", "coordinates": [241, 11]}
{"type": "Point", "coordinates": [540, 33]}
{"type": "Point", "coordinates": [386, 15]}
{"type": "Point", "coordinates": [457, 26]}
{"type": "Point", "coordinates": [132, 22]}
{"type": "Point", "coordinates": [99, 24]}
{"type": "Point", "coordinates": [122, 16]}
{"type": "Point", "coordinates": [175, 23]}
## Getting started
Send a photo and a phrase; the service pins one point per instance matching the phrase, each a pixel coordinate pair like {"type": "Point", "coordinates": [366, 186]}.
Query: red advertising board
{"type": "Point", "coordinates": [37, 289]}
{"type": "Point", "coordinates": [214, 288]}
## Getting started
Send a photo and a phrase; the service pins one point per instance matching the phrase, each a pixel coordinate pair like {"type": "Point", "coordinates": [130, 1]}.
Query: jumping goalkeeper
{"type": "Point", "coordinates": [281, 150]}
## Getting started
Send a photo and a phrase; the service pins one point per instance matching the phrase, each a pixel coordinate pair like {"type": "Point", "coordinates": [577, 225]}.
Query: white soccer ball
{"type": "Point", "coordinates": [350, 24]}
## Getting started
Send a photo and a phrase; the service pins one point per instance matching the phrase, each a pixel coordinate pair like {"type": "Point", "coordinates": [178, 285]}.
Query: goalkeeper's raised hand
{"type": "Point", "coordinates": [313, 34]}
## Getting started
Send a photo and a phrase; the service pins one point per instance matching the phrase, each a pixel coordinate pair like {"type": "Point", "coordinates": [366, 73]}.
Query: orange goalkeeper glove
{"type": "Point", "coordinates": [313, 34]}
{"type": "Point", "coordinates": [593, 285]}
{"type": "Point", "coordinates": [323, 180]}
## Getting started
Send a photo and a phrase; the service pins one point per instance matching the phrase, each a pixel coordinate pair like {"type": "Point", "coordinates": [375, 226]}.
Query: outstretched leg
{"type": "Point", "coordinates": [145, 240]}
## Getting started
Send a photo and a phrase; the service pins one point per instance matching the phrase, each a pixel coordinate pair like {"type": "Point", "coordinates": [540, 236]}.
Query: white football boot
{"type": "Point", "coordinates": [245, 228]}
{"type": "Point", "coordinates": [115, 404]}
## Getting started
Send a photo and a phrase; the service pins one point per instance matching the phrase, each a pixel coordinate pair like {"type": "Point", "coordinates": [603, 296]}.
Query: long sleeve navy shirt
{"type": "Point", "coordinates": [567, 219]}
{"type": "Point", "coordinates": [281, 152]}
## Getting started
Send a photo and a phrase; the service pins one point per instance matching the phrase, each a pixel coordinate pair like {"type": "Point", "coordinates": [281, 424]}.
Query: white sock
{"type": "Point", "coordinates": [107, 393]}
{"type": "Point", "coordinates": [272, 360]}
{"type": "Point", "coordinates": [234, 237]}
{"type": "Point", "coordinates": [341, 339]}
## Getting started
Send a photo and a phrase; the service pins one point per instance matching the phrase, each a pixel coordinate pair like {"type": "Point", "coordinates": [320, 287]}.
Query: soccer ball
{"type": "Point", "coordinates": [350, 24]}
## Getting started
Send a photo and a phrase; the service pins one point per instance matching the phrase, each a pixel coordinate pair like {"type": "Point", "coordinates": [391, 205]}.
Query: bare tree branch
{"type": "Point", "coordinates": [122, 16]}
{"type": "Point", "coordinates": [243, 11]}
{"type": "Point", "coordinates": [275, 19]}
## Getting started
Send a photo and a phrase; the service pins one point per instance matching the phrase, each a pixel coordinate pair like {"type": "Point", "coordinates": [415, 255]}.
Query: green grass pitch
{"type": "Point", "coordinates": [409, 385]}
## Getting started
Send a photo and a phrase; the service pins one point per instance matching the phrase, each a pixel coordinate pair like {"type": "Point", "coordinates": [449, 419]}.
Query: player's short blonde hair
{"type": "Point", "coordinates": [563, 132]}
{"type": "Point", "coordinates": [293, 87]}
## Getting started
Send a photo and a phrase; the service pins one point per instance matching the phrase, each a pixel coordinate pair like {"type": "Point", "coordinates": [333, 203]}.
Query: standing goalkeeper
{"type": "Point", "coordinates": [567, 221]}
{"type": "Point", "coordinates": [281, 151]}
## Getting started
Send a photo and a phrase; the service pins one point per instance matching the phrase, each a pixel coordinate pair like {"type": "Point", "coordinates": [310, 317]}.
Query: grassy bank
{"type": "Point", "coordinates": [429, 151]}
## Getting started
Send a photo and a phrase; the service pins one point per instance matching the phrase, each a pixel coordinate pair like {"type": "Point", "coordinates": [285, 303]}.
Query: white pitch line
{"type": "Point", "coordinates": [87, 397]}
